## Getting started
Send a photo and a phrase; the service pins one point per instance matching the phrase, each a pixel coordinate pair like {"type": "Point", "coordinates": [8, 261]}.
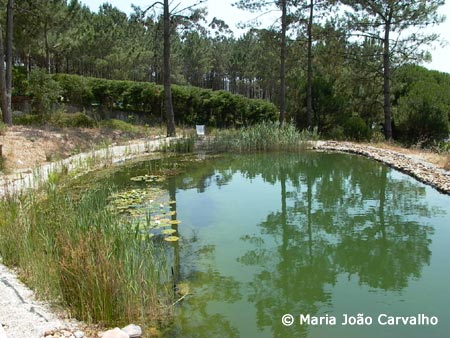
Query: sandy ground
{"type": "Point", "coordinates": [21, 315]}
{"type": "Point", "coordinates": [26, 147]}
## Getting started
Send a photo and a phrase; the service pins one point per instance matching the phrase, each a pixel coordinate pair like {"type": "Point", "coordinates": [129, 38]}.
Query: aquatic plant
{"type": "Point", "coordinates": [81, 253]}
{"type": "Point", "coordinates": [264, 136]}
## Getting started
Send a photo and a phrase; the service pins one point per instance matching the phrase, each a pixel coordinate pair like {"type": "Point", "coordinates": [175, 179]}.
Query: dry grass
{"type": "Point", "coordinates": [27, 147]}
{"type": "Point", "coordinates": [447, 163]}
{"type": "Point", "coordinates": [439, 160]}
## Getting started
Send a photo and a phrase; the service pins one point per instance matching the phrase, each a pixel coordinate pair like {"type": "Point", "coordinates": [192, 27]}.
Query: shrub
{"type": "Point", "coordinates": [337, 133]}
{"type": "Point", "coordinates": [423, 114]}
{"type": "Point", "coordinates": [75, 120]}
{"type": "Point", "coordinates": [114, 124]}
{"type": "Point", "coordinates": [28, 120]}
{"type": "Point", "coordinates": [43, 90]}
{"type": "Point", "coordinates": [75, 89]}
{"type": "Point", "coordinates": [192, 105]}
{"type": "Point", "coordinates": [355, 128]}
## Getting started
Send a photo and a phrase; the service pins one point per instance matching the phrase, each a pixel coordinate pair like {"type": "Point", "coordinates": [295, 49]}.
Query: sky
{"type": "Point", "coordinates": [224, 10]}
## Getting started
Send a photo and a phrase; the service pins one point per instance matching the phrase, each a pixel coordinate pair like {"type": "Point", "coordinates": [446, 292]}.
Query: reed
{"type": "Point", "coordinates": [77, 253]}
{"type": "Point", "coordinates": [264, 136]}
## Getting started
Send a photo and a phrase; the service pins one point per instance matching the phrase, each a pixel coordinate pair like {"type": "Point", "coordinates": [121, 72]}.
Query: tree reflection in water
{"type": "Point", "coordinates": [338, 215]}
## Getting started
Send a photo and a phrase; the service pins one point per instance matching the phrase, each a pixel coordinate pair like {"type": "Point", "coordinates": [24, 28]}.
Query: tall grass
{"type": "Point", "coordinates": [264, 136]}
{"type": "Point", "coordinates": [78, 253]}
{"type": "Point", "coordinates": [182, 145]}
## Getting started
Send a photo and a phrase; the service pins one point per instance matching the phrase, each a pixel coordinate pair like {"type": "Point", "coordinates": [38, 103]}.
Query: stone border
{"type": "Point", "coordinates": [422, 171]}
{"type": "Point", "coordinates": [82, 163]}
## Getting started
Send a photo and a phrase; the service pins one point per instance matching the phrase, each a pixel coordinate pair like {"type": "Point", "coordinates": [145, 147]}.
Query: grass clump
{"type": "Point", "coordinates": [264, 136]}
{"type": "Point", "coordinates": [74, 120]}
{"type": "Point", "coordinates": [114, 124]}
{"type": "Point", "coordinates": [79, 253]}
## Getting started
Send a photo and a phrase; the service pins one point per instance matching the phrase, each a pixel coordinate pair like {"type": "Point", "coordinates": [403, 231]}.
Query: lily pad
{"type": "Point", "coordinates": [168, 231]}
{"type": "Point", "coordinates": [175, 222]}
{"type": "Point", "coordinates": [171, 239]}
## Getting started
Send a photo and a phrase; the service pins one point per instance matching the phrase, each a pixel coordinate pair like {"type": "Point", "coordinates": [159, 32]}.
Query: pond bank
{"type": "Point", "coordinates": [409, 164]}
{"type": "Point", "coordinates": [21, 315]}
{"type": "Point", "coordinates": [77, 164]}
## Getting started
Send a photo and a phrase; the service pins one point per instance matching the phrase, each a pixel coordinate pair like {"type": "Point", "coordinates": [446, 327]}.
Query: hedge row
{"type": "Point", "coordinates": [192, 105]}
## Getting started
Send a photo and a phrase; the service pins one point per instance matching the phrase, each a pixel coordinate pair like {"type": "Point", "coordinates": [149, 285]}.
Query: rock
{"type": "Point", "coordinates": [66, 333]}
{"type": "Point", "coordinates": [2, 332]}
{"type": "Point", "coordinates": [78, 334]}
{"type": "Point", "coordinates": [134, 331]}
{"type": "Point", "coordinates": [115, 333]}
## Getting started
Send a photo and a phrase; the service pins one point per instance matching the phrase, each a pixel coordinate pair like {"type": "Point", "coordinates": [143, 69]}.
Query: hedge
{"type": "Point", "coordinates": [192, 105]}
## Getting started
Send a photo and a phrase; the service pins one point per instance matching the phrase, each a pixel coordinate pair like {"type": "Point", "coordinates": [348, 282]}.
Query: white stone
{"type": "Point", "coordinates": [115, 333]}
{"type": "Point", "coordinates": [78, 334]}
{"type": "Point", "coordinates": [134, 331]}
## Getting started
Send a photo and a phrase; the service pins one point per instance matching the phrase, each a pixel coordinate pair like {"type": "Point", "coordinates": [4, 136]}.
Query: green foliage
{"type": "Point", "coordinates": [180, 145]}
{"type": "Point", "coordinates": [264, 136]}
{"type": "Point", "coordinates": [75, 89]}
{"type": "Point", "coordinates": [28, 119]}
{"type": "Point", "coordinates": [328, 105]}
{"type": "Point", "coordinates": [192, 105]}
{"type": "Point", "coordinates": [43, 90]}
{"type": "Point", "coordinates": [355, 128]}
{"type": "Point", "coordinates": [114, 124]}
{"type": "Point", "coordinates": [75, 120]}
{"type": "Point", "coordinates": [20, 82]}
{"type": "Point", "coordinates": [3, 127]}
{"type": "Point", "coordinates": [423, 113]}
{"type": "Point", "coordinates": [78, 252]}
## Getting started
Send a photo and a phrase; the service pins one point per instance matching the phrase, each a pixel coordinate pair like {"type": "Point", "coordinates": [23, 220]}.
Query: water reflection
{"type": "Point", "coordinates": [313, 218]}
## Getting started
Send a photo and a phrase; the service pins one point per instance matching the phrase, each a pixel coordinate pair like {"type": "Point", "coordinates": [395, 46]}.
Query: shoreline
{"type": "Point", "coordinates": [411, 165]}
{"type": "Point", "coordinates": [79, 164]}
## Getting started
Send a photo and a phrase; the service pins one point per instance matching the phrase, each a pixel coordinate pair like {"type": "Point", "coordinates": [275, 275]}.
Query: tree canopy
{"type": "Point", "coordinates": [322, 68]}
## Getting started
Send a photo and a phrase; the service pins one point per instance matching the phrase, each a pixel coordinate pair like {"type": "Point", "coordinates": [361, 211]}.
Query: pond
{"type": "Point", "coordinates": [322, 237]}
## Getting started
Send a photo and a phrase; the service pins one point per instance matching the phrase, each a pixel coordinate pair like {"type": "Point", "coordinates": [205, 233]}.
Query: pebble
{"type": "Point", "coordinates": [129, 331]}
{"type": "Point", "coordinates": [420, 170]}
{"type": "Point", "coordinates": [134, 331]}
{"type": "Point", "coordinates": [115, 333]}
{"type": "Point", "coordinates": [64, 333]}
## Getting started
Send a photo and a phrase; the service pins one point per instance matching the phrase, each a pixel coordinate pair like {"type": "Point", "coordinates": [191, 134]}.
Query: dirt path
{"type": "Point", "coordinates": [21, 315]}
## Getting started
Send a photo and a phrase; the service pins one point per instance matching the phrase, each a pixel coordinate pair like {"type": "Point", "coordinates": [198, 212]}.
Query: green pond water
{"type": "Point", "coordinates": [324, 235]}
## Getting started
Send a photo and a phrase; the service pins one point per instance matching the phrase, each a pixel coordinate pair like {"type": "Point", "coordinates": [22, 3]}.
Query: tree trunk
{"type": "Point", "coordinates": [7, 116]}
{"type": "Point", "coordinates": [167, 87]}
{"type": "Point", "coordinates": [387, 85]}
{"type": "Point", "coordinates": [283, 62]}
{"type": "Point", "coordinates": [3, 78]}
{"type": "Point", "coordinates": [309, 109]}
{"type": "Point", "coordinates": [47, 50]}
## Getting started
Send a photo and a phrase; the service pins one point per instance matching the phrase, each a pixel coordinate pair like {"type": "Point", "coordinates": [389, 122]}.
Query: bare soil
{"type": "Point", "coordinates": [439, 160]}
{"type": "Point", "coordinates": [27, 147]}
